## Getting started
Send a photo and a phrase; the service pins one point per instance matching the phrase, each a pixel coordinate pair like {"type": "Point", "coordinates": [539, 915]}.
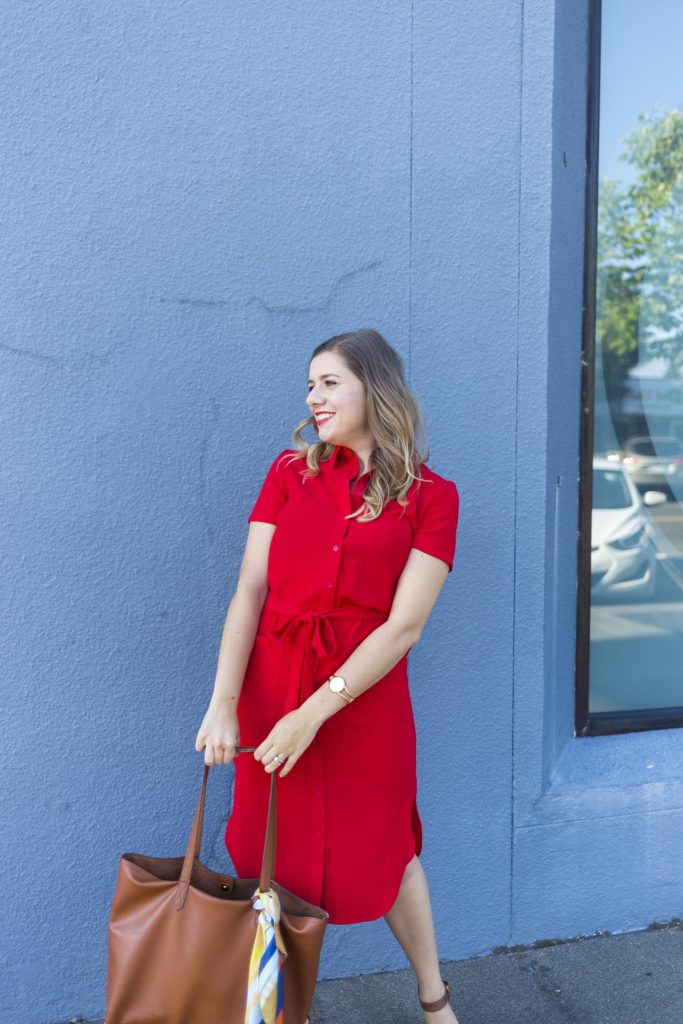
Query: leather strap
{"type": "Point", "coordinates": [195, 840]}
{"type": "Point", "coordinates": [437, 1004]}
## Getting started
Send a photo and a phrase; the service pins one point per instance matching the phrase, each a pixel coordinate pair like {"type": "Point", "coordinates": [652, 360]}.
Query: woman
{"type": "Point", "coordinates": [350, 541]}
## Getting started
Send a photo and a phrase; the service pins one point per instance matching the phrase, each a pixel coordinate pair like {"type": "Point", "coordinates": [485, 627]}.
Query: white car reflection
{"type": "Point", "coordinates": [623, 559]}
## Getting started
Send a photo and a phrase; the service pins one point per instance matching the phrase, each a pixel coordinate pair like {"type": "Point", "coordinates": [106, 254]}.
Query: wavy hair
{"type": "Point", "coordinates": [394, 420]}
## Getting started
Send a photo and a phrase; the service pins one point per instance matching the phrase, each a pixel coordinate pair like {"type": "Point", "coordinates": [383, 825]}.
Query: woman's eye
{"type": "Point", "coordinates": [327, 382]}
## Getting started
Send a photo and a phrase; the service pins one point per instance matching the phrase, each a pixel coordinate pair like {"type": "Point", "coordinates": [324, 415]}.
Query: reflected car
{"type": "Point", "coordinates": [654, 461]}
{"type": "Point", "coordinates": [623, 552]}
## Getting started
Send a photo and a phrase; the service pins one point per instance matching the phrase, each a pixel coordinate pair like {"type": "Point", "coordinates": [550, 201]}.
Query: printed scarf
{"type": "Point", "coordinates": [264, 992]}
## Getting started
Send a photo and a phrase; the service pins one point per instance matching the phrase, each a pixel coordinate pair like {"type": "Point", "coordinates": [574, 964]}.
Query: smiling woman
{"type": "Point", "coordinates": [360, 538]}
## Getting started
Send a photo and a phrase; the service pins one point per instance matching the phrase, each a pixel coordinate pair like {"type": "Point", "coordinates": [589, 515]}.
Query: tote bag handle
{"type": "Point", "coordinates": [195, 840]}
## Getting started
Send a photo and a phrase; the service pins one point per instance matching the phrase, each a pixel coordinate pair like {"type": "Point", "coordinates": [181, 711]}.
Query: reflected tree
{"type": "Point", "coordinates": [640, 255]}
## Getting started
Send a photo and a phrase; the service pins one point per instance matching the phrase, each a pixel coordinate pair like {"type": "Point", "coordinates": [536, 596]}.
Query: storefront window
{"type": "Point", "coordinates": [634, 673]}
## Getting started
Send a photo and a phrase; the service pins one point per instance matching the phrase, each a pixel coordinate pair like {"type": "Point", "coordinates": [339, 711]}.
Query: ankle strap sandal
{"type": "Point", "coordinates": [437, 1003]}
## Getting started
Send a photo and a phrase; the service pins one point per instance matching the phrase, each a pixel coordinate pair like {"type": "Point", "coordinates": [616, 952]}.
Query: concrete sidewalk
{"type": "Point", "coordinates": [632, 978]}
{"type": "Point", "coordinates": [635, 978]}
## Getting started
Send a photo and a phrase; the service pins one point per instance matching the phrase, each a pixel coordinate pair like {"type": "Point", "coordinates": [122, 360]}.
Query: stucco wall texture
{"type": "Point", "coordinates": [196, 194]}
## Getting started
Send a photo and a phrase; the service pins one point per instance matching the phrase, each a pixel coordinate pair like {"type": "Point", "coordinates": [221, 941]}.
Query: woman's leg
{"type": "Point", "coordinates": [410, 919]}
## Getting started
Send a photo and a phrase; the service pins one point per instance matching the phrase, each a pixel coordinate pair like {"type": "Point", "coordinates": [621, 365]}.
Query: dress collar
{"type": "Point", "coordinates": [346, 458]}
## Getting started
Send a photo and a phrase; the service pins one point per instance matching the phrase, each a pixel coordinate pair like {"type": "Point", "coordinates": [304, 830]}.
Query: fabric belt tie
{"type": "Point", "coordinates": [317, 632]}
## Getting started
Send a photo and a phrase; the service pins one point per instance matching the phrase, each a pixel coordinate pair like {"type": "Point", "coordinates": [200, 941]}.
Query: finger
{"type": "Point", "coordinates": [263, 748]}
{"type": "Point", "coordinates": [208, 754]}
{"type": "Point", "coordinates": [272, 764]}
{"type": "Point", "coordinates": [270, 749]}
{"type": "Point", "coordinates": [288, 765]}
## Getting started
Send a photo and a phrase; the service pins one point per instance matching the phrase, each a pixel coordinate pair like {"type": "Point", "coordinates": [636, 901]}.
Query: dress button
{"type": "Point", "coordinates": [336, 547]}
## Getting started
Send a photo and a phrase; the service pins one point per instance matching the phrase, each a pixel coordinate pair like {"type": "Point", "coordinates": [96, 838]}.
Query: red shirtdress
{"type": "Point", "coordinates": [348, 822]}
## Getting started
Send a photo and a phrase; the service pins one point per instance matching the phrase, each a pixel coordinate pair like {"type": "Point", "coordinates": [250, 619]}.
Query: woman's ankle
{"type": "Point", "coordinates": [431, 990]}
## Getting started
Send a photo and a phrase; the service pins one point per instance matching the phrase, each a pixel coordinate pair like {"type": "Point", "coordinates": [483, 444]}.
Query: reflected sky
{"type": "Point", "coordinates": [641, 67]}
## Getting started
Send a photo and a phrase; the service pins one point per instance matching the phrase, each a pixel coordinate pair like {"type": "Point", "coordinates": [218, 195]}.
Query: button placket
{"type": "Point", "coordinates": [347, 468]}
{"type": "Point", "coordinates": [329, 581]}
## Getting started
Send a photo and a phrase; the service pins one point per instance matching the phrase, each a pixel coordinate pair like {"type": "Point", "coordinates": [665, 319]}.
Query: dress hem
{"type": "Point", "coordinates": [351, 920]}
{"type": "Point", "coordinates": [387, 906]}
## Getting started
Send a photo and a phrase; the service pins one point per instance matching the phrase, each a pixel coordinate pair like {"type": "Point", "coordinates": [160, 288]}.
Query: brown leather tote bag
{"type": "Point", "coordinates": [180, 936]}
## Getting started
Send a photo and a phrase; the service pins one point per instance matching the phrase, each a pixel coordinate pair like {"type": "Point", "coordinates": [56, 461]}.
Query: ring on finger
{"type": "Point", "coordinates": [279, 759]}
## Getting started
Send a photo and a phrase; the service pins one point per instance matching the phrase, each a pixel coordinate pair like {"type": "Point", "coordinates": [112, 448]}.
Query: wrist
{"type": "Point", "coordinates": [311, 713]}
{"type": "Point", "coordinates": [227, 705]}
{"type": "Point", "coordinates": [322, 704]}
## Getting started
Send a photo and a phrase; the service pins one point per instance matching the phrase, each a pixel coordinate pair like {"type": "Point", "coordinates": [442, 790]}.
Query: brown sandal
{"type": "Point", "coordinates": [437, 1004]}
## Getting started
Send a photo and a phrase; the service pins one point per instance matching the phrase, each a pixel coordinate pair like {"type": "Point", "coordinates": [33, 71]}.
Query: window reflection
{"type": "Point", "coordinates": [636, 645]}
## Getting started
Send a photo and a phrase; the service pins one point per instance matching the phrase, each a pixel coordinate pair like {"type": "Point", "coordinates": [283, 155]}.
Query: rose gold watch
{"type": "Point", "coordinates": [338, 685]}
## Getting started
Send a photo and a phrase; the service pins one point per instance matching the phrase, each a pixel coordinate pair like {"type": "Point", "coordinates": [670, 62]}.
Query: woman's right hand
{"type": "Point", "coordinates": [219, 733]}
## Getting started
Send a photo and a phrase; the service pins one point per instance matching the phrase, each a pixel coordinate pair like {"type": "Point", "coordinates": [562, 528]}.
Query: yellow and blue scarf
{"type": "Point", "coordinates": [264, 992]}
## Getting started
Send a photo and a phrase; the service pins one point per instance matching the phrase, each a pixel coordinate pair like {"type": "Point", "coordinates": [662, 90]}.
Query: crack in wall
{"type": "Point", "coordinates": [208, 433]}
{"type": "Point", "coordinates": [180, 300]}
{"type": "Point", "coordinates": [313, 307]}
{"type": "Point", "coordinates": [80, 359]}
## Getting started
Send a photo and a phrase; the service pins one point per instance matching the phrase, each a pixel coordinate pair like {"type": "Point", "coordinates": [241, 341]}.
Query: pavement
{"type": "Point", "coordinates": [629, 978]}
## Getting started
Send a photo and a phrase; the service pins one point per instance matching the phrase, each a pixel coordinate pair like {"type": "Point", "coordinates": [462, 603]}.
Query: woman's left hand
{"type": "Point", "coordinates": [289, 737]}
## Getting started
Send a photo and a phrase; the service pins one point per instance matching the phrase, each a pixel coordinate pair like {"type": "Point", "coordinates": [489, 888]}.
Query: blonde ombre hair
{"type": "Point", "coordinates": [393, 415]}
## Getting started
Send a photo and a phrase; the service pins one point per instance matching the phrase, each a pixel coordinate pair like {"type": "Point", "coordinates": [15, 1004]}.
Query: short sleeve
{"type": "Point", "coordinates": [273, 494]}
{"type": "Point", "coordinates": [438, 522]}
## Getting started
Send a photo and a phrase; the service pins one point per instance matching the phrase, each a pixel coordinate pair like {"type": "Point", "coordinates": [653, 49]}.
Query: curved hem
{"type": "Point", "coordinates": [385, 908]}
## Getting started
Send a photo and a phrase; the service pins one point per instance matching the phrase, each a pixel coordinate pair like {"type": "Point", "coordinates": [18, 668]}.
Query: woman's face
{"type": "Point", "coordinates": [333, 388]}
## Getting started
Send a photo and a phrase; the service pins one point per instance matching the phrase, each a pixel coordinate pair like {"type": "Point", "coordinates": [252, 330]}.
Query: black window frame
{"type": "Point", "coordinates": [606, 722]}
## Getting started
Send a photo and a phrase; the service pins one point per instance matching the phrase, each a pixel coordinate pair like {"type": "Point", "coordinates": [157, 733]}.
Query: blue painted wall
{"type": "Point", "coordinates": [200, 192]}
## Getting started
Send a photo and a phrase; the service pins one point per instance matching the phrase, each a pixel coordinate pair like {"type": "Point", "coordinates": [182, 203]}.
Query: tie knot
{"type": "Point", "coordinates": [319, 628]}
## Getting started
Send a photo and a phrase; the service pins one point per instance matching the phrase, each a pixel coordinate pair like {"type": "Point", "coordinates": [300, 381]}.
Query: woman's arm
{"type": "Point", "coordinates": [239, 630]}
{"type": "Point", "coordinates": [219, 732]}
{"type": "Point", "coordinates": [417, 590]}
